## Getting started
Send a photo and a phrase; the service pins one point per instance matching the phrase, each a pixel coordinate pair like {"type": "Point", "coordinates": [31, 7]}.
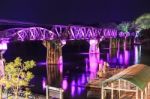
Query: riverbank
{"type": "Point", "coordinates": [34, 96]}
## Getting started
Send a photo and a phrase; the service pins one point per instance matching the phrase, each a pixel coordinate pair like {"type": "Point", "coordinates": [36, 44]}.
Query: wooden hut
{"type": "Point", "coordinates": [131, 83]}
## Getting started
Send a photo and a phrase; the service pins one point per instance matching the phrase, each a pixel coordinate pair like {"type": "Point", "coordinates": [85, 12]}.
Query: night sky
{"type": "Point", "coordinates": [73, 11]}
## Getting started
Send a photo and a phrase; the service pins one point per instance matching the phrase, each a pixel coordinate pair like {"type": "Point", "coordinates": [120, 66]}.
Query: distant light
{"type": "Point", "coordinates": [63, 42]}
{"type": "Point", "coordinates": [3, 46]}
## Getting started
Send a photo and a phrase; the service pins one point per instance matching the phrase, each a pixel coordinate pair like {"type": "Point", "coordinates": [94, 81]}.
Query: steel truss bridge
{"type": "Point", "coordinates": [61, 32]}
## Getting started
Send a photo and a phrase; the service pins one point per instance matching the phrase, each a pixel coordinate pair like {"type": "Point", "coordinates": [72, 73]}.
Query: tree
{"type": "Point", "coordinates": [17, 74]}
{"type": "Point", "coordinates": [123, 27]}
{"type": "Point", "coordinates": [143, 21]}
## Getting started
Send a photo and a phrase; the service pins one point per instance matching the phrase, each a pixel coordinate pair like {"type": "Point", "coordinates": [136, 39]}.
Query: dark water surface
{"type": "Point", "coordinates": [78, 65]}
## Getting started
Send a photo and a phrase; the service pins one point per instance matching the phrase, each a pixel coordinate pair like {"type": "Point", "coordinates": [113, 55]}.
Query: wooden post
{"type": "Point", "coordinates": [47, 92]}
{"type": "Point", "coordinates": [112, 90]}
{"type": "Point", "coordinates": [142, 97]}
{"type": "Point", "coordinates": [61, 94]}
{"type": "Point", "coordinates": [149, 88]}
{"type": "Point", "coordinates": [137, 92]}
{"type": "Point", "coordinates": [110, 43]}
{"type": "Point", "coordinates": [102, 92]}
{"type": "Point", "coordinates": [124, 84]}
{"type": "Point", "coordinates": [145, 93]}
{"type": "Point", "coordinates": [119, 88]}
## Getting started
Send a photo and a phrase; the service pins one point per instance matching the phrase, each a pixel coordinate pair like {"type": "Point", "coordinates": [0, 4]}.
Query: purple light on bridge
{"type": "Point", "coordinates": [94, 47]}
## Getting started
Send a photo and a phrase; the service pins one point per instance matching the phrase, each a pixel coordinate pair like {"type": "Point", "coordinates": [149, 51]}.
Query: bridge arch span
{"type": "Point", "coordinates": [31, 33]}
{"type": "Point", "coordinates": [35, 33]}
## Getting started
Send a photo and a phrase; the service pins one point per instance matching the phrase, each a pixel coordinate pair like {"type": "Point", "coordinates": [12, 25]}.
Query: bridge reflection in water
{"type": "Point", "coordinates": [72, 77]}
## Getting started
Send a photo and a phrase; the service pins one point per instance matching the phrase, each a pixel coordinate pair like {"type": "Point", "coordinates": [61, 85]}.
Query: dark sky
{"type": "Point", "coordinates": [73, 11]}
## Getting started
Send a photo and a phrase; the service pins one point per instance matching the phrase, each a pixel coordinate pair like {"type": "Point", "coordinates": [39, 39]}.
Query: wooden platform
{"type": "Point", "coordinates": [95, 83]}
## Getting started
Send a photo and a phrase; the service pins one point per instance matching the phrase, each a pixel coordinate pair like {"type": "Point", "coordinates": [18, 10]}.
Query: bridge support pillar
{"type": "Point", "coordinates": [94, 46]}
{"type": "Point", "coordinates": [113, 43]}
{"type": "Point", "coordinates": [3, 48]}
{"type": "Point", "coordinates": [54, 59]}
{"type": "Point", "coordinates": [54, 51]}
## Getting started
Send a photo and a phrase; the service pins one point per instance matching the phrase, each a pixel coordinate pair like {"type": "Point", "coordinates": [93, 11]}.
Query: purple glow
{"type": "Point", "coordinates": [87, 64]}
{"type": "Point", "coordinates": [74, 33]}
{"type": "Point", "coordinates": [118, 52]}
{"type": "Point", "coordinates": [114, 60]}
{"type": "Point", "coordinates": [44, 83]}
{"type": "Point", "coordinates": [60, 68]}
{"type": "Point", "coordinates": [121, 34]}
{"type": "Point", "coordinates": [121, 59]}
{"type": "Point", "coordinates": [60, 64]}
{"type": "Point", "coordinates": [60, 60]}
{"type": "Point", "coordinates": [73, 88]}
{"type": "Point", "coordinates": [64, 84]}
{"type": "Point", "coordinates": [107, 56]}
{"type": "Point", "coordinates": [79, 82]}
{"type": "Point", "coordinates": [79, 90]}
{"type": "Point", "coordinates": [126, 56]}
{"type": "Point", "coordinates": [41, 63]}
{"type": "Point", "coordinates": [94, 60]}
{"type": "Point", "coordinates": [83, 80]}
{"type": "Point", "coordinates": [100, 65]}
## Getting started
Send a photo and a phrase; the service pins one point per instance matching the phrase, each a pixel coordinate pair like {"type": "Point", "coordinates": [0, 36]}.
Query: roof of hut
{"type": "Point", "coordinates": [138, 74]}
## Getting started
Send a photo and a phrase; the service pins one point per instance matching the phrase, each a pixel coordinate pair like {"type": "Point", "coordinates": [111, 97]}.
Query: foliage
{"type": "Point", "coordinates": [123, 27]}
{"type": "Point", "coordinates": [134, 27]}
{"type": "Point", "coordinates": [143, 21]}
{"type": "Point", "coordinates": [17, 74]}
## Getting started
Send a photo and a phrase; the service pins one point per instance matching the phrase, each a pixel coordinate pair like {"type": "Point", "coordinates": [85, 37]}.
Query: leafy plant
{"type": "Point", "coordinates": [17, 74]}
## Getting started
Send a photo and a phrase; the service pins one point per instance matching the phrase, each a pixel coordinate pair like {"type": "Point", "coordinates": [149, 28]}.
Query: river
{"type": "Point", "coordinates": [78, 65]}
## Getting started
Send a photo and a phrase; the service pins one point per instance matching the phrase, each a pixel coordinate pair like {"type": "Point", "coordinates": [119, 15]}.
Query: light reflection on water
{"type": "Point", "coordinates": [73, 82]}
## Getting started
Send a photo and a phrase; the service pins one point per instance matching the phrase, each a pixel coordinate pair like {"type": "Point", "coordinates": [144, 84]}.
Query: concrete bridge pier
{"type": "Point", "coordinates": [54, 51]}
{"type": "Point", "coordinates": [128, 42]}
{"type": "Point", "coordinates": [113, 43]}
{"type": "Point", "coordinates": [3, 48]}
{"type": "Point", "coordinates": [54, 60]}
{"type": "Point", "coordinates": [94, 46]}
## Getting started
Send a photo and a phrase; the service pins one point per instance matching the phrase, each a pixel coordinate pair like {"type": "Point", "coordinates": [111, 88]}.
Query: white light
{"type": "Point", "coordinates": [63, 42]}
{"type": "Point", "coordinates": [3, 46]}
{"type": "Point", "coordinates": [93, 42]}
